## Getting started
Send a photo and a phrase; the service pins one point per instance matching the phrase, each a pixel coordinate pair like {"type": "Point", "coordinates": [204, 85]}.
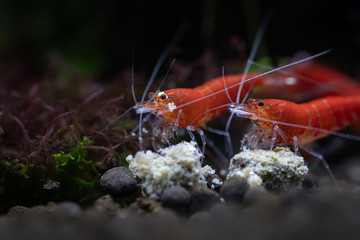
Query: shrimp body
{"type": "Point", "coordinates": [307, 121]}
{"type": "Point", "coordinates": [184, 107]}
{"type": "Point", "coordinates": [339, 83]}
{"type": "Point", "coordinates": [309, 81]}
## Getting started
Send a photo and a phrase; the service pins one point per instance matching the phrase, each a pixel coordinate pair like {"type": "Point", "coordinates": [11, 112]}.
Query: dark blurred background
{"type": "Point", "coordinates": [97, 37]}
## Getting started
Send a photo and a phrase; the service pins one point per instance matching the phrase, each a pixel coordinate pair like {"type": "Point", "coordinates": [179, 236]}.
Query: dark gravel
{"type": "Point", "coordinates": [18, 211]}
{"type": "Point", "coordinates": [297, 214]}
{"type": "Point", "coordinates": [177, 198]}
{"type": "Point", "coordinates": [255, 194]}
{"type": "Point", "coordinates": [106, 206]}
{"type": "Point", "coordinates": [237, 212]}
{"type": "Point", "coordinates": [68, 209]}
{"type": "Point", "coordinates": [233, 190]}
{"type": "Point", "coordinates": [202, 198]}
{"type": "Point", "coordinates": [119, 182]}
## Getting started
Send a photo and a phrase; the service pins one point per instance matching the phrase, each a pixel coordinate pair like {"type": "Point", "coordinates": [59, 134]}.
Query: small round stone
{"type": "Point", "coordinates": [119, 182]}
{"type": "Point", "coordinates": [18, 211]}
{"type": "Point", "coordinates": [144, 205]}
{"type": "Point", "coordinates": [51, 186]}
{"type": "Point", "coordinates": [233, 190]}
{"type": "Point", "coordinates": [106, 206]}
{"type": "Point", "coordinates": [175, 196]}
{"type": "Point", "coordinates": [68, 209]}
{"type": "Point", "coordinates": [255, 194]}
{"type": "Point", "coordinates": [202, 198]}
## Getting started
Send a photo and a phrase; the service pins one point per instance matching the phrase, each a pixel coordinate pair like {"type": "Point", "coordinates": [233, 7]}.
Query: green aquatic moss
{"type": "Point", "coordinates": [76, 179]}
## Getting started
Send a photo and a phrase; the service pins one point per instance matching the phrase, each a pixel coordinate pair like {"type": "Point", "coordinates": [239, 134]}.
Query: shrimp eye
{"type": "Point", "coordinates": [163, 96]}
{"type": "Point", "coordinates": [260, 104]}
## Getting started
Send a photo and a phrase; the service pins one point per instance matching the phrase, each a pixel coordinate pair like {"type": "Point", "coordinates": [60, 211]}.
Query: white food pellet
{"type": "Point", "coordinates": [275, 169]}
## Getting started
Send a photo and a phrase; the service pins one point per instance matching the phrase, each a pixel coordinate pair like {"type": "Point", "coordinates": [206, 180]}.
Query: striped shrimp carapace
{"type": "Point", "coordinates": [287, 122]}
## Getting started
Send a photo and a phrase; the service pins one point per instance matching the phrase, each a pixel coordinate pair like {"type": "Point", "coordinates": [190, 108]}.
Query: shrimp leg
{"type": "Point", "coordinates": [227, 136]}
{"type": "Point", "coordinates": [203, 139]}
{"type": "Point", "coordinates": [224, 160]}
{"type": "Point", "coordinates": [323, 161]}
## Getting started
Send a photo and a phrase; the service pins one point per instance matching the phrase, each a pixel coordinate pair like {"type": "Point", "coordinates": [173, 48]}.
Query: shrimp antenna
{"type": "Point", "coordinates": [254, 49]}
{"type": "Point", "coordinates": [228, 146]}
{"type": "Point", "coordinates": [132, 77]}
{"type": "Point", "coordinates": [218, 131]}
{"type": "Point", "coordinates": [158, 64]}
{"type": "Point", "coordinates": [166, 75]}
{"type": "Point", "coordinates": [114, 120]}
{"type": "Point", "coordinates": [162, 82]}
{"type": "Point", "coordinates": [328, 85]}
{"type": "Point", "coordinates": [257, 41]}
{"type": "Point", "coordinates": [223, 78]}
{"type": "Point", "coordinates": [209, 110]}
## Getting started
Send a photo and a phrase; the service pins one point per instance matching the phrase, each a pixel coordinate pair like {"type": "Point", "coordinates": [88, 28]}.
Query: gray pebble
{"type": "Point", "coordinates": [353, 172]}
{"type": "Point", "coordinates": [119, 182]}
{"type": "Point", "coordinates": [175, 197]}
{"type": "Point", "coordinates": [233, 190]}
{"type": "Point", "coordinates": [202, 198]}
{"type": "Point", "coordinates": [255, 194]}
{"type": "Point", "coordinates": [106, 206]}
{"type": "Point", "coordinates": [18, 211]}
{"type": "Point", "coordinates": [200, 217]}
{"type": "Point", "coordinates": [38, 209]}
{"type": "Point", "coordinates": [51, 186]}
{"type": "Point", "coordinates": [165, 213]}
{"type": "Point", "coordinates": [144, 206]}
{"type": "Point", "coordinates": [293, 196]}
{"type": "Point", "coordinates": [68, 209]}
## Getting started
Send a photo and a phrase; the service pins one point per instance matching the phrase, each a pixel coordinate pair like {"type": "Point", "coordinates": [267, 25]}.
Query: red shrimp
{"type": "Point", "coordinates": [299, 124]}
{"type": "Point", "coordinates": [310, 80]}
{"type": "Point", "coordinates": [192, 108]}
{"type": "Point", "coordinates": [339, 83]}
